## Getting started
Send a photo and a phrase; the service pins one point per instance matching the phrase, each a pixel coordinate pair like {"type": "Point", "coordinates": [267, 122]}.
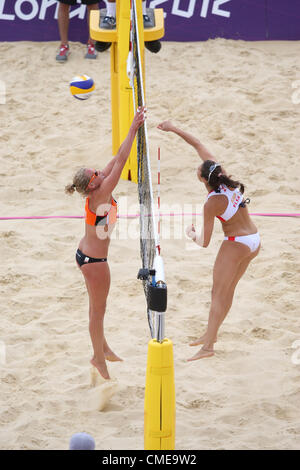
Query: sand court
{"type": "Point", "coordinates": [240, 98]}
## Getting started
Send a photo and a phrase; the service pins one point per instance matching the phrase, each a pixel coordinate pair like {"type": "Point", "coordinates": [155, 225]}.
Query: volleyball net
{"type": "Point", "coordinates": [152, 272]}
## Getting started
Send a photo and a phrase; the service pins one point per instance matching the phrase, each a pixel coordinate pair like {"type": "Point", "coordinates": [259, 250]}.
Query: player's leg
{"type": "Point", "coordinates": [64, 20]}
{"type": "Point", "coordinates": [242, 268]}
{"type": "Point", "coordinates": [63, 27]}
{"type": "Point", "coordinates": [226, 268]}
{"type": "Point", "coordinates": [91, 51]}
{"type": "Point", "coordinates": [97, 277]}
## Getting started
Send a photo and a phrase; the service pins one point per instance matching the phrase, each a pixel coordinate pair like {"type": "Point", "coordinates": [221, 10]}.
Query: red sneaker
{"type": "Point", "coordinates": [91, 51]}
{"type": "Point", "coordinates": [64, 51]}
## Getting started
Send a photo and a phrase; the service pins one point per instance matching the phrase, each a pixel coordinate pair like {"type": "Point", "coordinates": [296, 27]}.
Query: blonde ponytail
{"type": "Point", "coordinates": [80, 183]}
{"type": "Point", "coordinates": [70, 188]}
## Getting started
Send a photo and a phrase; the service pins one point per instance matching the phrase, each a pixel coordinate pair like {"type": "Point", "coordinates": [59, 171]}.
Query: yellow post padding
{"type": "Point", "coordinates": [123, 107]}
{"type": "Point", "coordinates": [159, 421]}
{"type": "Point", "coordinates": [121, 92]}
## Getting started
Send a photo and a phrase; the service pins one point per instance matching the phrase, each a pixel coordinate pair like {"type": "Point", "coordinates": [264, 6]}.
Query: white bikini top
{"type": "Point", "coordinates": [235, 198]}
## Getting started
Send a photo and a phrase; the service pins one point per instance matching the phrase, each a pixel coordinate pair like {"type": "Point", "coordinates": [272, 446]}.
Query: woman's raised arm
{"type": "Point", "coordinates": [203, 153]}
{"type": "Point", "coordinates": [112, 179]}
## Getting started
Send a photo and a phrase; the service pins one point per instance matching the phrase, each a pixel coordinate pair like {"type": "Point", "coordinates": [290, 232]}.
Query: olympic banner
{"type": "Point", "coordinates": [283, 20]}
{"type": "Point", "coordinates": [185, 20]}
{"type": "Point", "coordinates": [249, 20]}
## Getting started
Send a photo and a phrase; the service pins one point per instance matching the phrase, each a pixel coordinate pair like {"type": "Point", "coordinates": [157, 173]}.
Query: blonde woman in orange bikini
{"type": "Point", "coordinates": [241, 241]}
{"type": "Point", "coordinates": [101, 215]}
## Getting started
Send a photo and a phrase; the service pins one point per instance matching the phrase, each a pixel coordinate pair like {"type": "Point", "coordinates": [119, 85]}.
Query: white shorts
{"type": "Point", "coordinates": [252, 241]}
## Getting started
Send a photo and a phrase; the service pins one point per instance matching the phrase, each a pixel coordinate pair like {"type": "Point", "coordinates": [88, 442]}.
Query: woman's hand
{"type": "Point", "coordinates": [191, 232]}
{"type": "Point", "coordinates": [165, 126]}
{"type": "Point", "coordinates": [139, 117]}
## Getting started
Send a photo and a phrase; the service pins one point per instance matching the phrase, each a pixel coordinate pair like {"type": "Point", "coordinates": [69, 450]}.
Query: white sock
{"type": "Point", "coordinates": [144, 7]}
{"type": "Point", "coordinates": [111, 9]}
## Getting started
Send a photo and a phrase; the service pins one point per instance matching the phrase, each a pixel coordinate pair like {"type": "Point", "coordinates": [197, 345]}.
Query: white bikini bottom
{"type": "Point", "coordinates": [252, 241]}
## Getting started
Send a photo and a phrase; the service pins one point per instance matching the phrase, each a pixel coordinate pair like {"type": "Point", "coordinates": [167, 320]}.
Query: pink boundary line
{"type": "Point", "coordinates": [132, 216]}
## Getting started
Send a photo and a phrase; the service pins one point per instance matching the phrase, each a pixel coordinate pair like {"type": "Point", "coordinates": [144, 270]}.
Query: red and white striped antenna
{"type": "Point", "coordinates": [158, 197]}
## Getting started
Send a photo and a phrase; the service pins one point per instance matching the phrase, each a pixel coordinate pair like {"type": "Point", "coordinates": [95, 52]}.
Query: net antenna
{"type": "Point", "coordinates": [152, 272]}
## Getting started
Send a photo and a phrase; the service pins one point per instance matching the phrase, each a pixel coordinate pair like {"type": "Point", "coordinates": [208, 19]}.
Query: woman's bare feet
{"type": "Point", "coordinates": [101, 367]}
{"type": "Point", "coordinates": [201, 340]}
{"type": "Point", "coordinates": [201, 354]}
{"type": "Point", "coordinates": [111, 356]}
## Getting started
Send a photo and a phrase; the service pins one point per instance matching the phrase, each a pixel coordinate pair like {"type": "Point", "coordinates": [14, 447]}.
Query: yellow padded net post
{"type": "Point", "coordinates": [159, 420]}
{"type": "Point", "coordinates": [121, 91]}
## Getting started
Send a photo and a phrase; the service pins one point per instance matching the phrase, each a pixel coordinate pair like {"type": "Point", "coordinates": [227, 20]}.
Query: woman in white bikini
{"type": "Point", "coordinates": [91, 256]}
{"type": "Point", "coordinates": [241, 242]}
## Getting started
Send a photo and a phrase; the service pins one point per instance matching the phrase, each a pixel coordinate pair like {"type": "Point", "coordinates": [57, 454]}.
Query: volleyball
{"type": "Point", "coordinates": [82, 87]}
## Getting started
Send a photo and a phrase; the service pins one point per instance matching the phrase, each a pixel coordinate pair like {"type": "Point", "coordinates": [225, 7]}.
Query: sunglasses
{"type": "Point", "coordinates": [94, 175]}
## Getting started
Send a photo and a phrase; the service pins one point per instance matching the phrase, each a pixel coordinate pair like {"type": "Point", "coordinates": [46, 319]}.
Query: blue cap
{"type": "Point", "coordinates": [82, 441]}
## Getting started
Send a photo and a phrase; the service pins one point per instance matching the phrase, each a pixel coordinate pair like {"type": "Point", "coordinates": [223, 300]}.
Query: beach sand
{"type": "Point", "coordinates": [241, 100]}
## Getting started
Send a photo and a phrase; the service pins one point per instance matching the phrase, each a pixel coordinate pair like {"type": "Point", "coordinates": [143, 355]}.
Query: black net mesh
{"type": "Point", "coordinates": [147, 238]}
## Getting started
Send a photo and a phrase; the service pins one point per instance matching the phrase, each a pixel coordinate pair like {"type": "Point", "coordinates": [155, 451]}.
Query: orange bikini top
{"type": "Point", "coordinates": [109, 217]}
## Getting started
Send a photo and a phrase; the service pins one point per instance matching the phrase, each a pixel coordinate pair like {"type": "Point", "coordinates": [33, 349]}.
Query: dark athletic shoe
{"type": "Point", "coordinates": [148, 23]}
{"type": "Point", "coordinates": [108, 22]}
{"type": "Point", "coordinates": [149, 18]}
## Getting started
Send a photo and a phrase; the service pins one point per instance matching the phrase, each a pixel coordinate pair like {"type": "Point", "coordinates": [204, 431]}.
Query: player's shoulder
{"type": "Point", "coordinates": [215, 202]}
